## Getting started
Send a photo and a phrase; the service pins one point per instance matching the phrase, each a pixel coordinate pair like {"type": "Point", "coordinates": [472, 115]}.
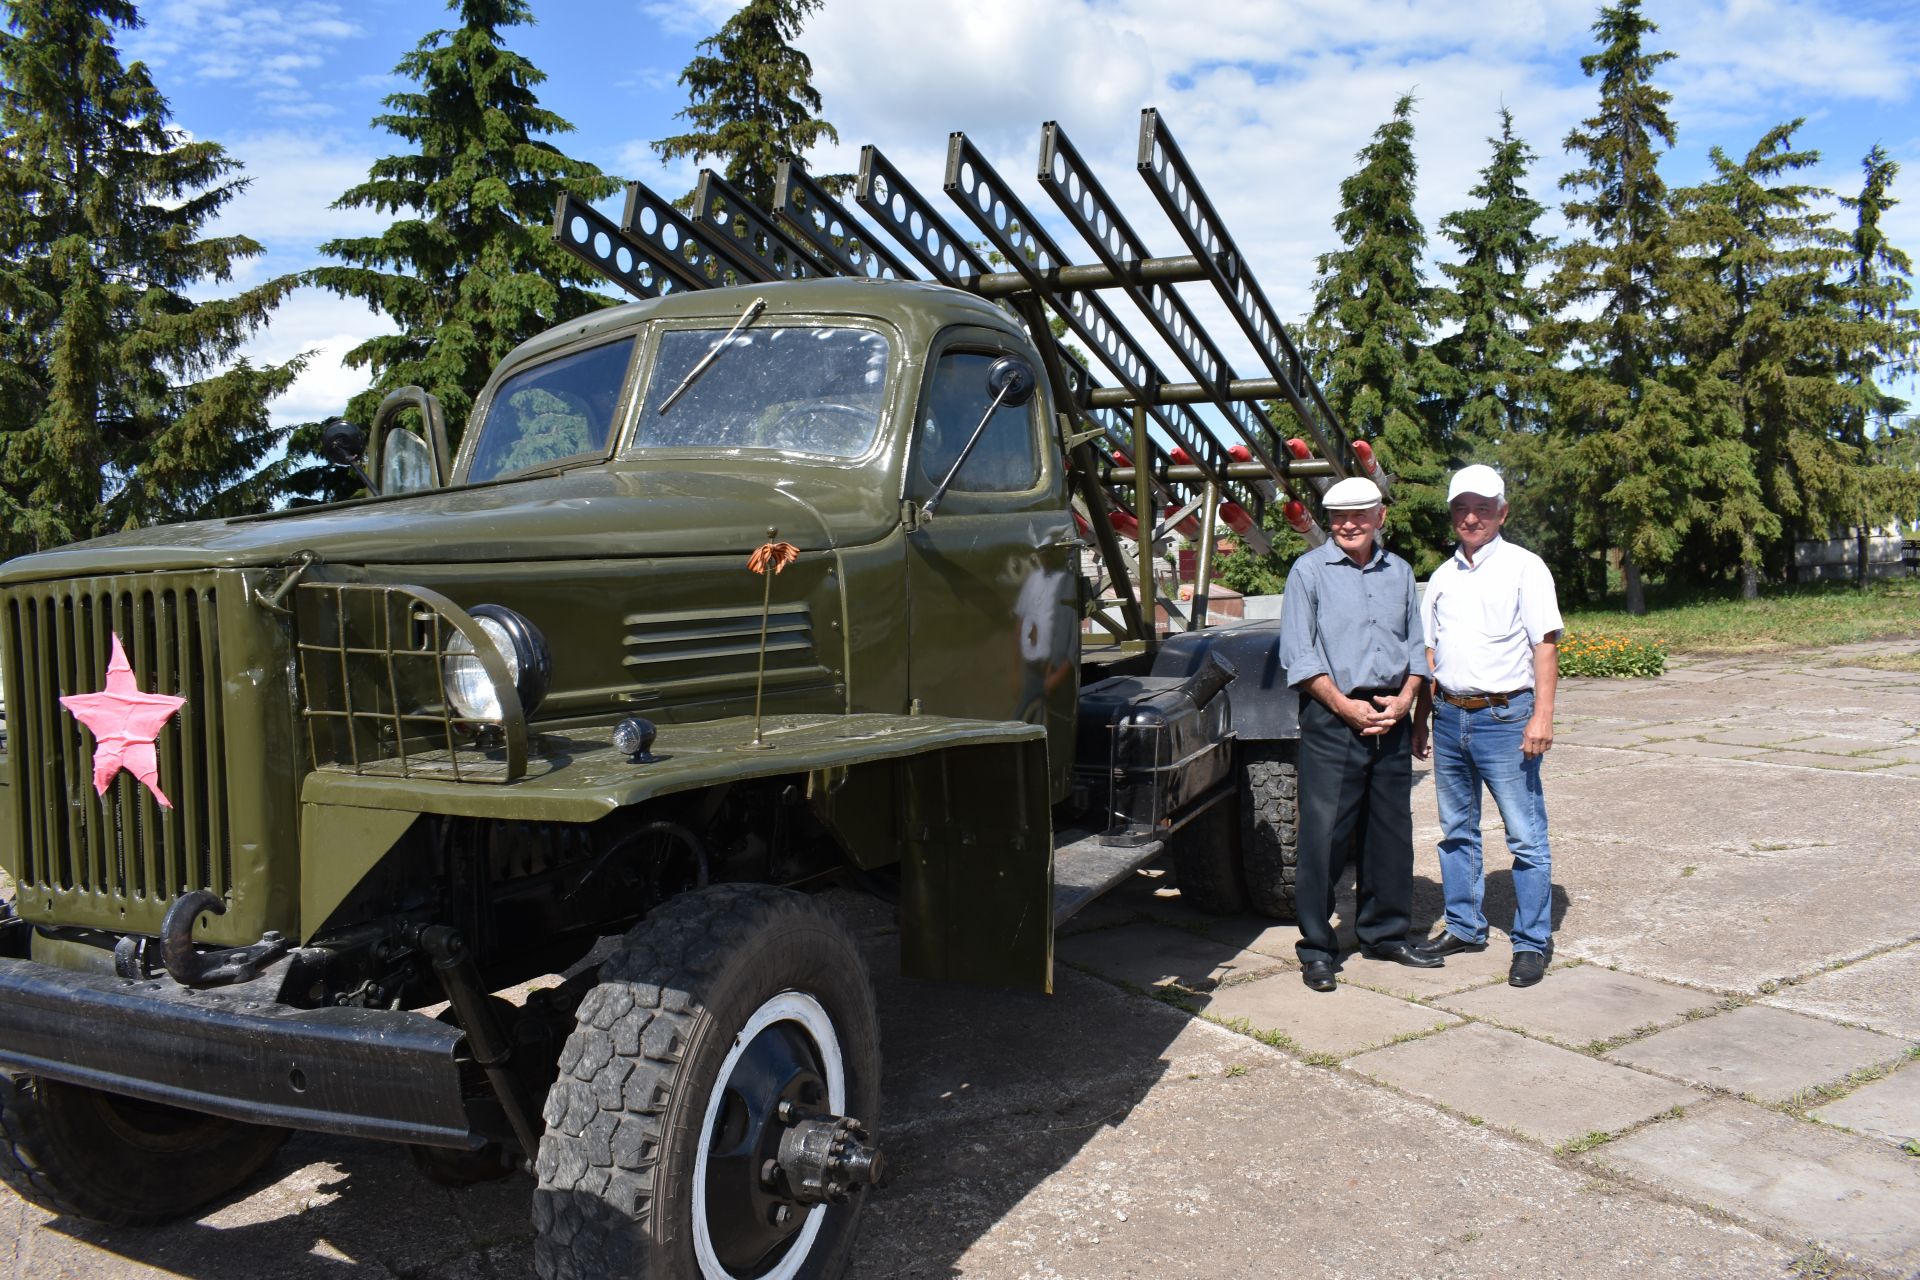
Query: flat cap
{"type": "Point", "coordinates": [1352, 494]}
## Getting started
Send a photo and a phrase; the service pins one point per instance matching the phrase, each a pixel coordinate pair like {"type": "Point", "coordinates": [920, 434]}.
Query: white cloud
{"type": "Point", "coordinates": [296, 176]}
{"type": "Point", "coordinates": [246, 44]}
{"type": "Point", "coordinates": [316, 322]}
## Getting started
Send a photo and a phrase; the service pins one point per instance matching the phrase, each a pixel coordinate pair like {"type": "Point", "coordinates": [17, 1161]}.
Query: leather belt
{"type": "Point", "coordinates": [1480, 701]}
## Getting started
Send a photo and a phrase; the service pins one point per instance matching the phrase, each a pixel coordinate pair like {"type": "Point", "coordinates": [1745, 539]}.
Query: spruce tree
{"type": "Point", "coordinates": [1757, 329]}
{"type": "Point", "coordinates": [1491, 354]}
{"type": "Point", "coordinates": [1880, 335]}
{"type": "Point", "coordinates": [1368, 333]}
{"type": "Point", "coordinates": [1625, 469]}
{"type": "Point", "coordinates": [121, 400]}
{"type": "Point", "coordinates": [468, 271]}
{"type": "Point", "coordinates": [753, 100]}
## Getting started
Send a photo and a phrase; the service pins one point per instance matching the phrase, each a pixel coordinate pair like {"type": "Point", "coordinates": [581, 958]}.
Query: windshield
{"type": "Point", "coordinates": [552, 412]}
{"type": "Point", "coordinates": [802, 389]}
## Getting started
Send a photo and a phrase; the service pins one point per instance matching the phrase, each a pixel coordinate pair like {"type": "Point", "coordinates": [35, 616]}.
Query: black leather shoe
{"type": "Point", "coordinates": [1449, 944]}
{"type": "Point", "coordinates": [1317, 974]}
{"type": "Point", "coordinates": [1403, 953]}
{"type": "Point", "coordinates": [1528, 968]}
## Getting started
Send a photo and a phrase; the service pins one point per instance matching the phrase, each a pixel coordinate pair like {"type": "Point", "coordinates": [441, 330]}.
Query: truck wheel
{"type": "Point", "coordinates": [707, 1120]}
{"type": "Point", "coordinates": [1206, 862]}
{"type": "Point", "coordinates": [118, 1160]}
{"type": "Point", "coordinates": [1269, 824]}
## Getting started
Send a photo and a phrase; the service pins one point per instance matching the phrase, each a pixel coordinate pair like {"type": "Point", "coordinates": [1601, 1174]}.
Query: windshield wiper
{"type": "Point", "coordinates": [754, 308]}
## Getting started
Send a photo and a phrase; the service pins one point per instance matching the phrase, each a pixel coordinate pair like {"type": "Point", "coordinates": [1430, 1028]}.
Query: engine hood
{"type": "Point", "coordinates": [595, 514]}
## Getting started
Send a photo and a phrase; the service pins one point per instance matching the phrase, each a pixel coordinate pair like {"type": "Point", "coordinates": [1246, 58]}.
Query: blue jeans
{"type": "Point", "coordinates": [1475, 747]}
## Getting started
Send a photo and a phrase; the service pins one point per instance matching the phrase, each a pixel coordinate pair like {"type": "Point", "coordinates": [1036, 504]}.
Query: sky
{"type": "Point", "coordinates": [1269, 99]}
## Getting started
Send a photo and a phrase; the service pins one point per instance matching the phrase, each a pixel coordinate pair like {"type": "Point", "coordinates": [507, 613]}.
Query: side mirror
{"type": "Point", "coordinates": [345, 445]}
{"type": "Point", "coordinates": [342, 443]}
{"type": "Point", "coordinates": [1010, 381]}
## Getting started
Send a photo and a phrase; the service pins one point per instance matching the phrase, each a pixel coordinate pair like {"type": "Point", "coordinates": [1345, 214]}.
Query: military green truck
{"type": "Point", "coordinates": [773, 578]}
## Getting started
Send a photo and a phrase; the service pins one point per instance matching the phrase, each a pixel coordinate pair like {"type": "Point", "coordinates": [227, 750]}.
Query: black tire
{"type": "Point", "coordinates": [121, 1161]}
{"type": "Point", "coordinates": [1270, 824]}
{"type": "Point", "coordinates": [1206, 862]}
{"type": "Point", "coordinates": [627, 1120]}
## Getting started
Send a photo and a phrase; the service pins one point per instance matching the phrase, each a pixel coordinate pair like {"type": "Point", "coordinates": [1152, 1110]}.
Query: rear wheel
{"type": "Point", "coordinates": [1207, 864]}
{"type": "Point", "coordinates": [1269, 824]}
{"type": "Point", "coordinates": [120, 1160]}
{"type": "Point", "coordinates": [709, 1117]}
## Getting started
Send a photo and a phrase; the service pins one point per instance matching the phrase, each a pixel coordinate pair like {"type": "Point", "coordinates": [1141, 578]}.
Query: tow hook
{"type": "Point", "coordinates": [825, 1158]}
{"type": "Point", "coordinates": [192, 968]}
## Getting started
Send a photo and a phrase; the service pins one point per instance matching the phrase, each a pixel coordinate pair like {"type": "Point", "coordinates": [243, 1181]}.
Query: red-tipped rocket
{"type": "Point", "coordinates": [1237, 517]}
{"type": "Point", "coordinates": [1369, 465]}
{"type": "Point", "coordinates": [1303, 524]}
{"type": "Point", "coordinates": [1299, 448]}
{"type": "Point", "coordinates": [1080, 523]}
{"type": "Point", "coordinates": [1180, 458]}
{"type": "Point", "coordinates": [1188, 528]}
{"type": "Point", "coordinates": [1124, 525]}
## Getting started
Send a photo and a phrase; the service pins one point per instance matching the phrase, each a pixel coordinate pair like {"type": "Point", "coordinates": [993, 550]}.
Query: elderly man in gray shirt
{"type": "Point", "coordinates": [1351, 642]}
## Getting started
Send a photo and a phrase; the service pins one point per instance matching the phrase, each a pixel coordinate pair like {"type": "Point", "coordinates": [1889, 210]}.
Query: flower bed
{"type": "Point", "coordinates": [1592, 653]}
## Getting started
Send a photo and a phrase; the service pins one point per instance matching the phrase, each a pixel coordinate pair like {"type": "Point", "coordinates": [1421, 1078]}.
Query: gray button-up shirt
{"type": "Point", "coordinates": [1358, 625]}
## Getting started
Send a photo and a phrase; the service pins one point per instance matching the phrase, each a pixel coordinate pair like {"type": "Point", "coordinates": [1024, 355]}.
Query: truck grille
{"type": "Point", "coordinates": [124, 845]}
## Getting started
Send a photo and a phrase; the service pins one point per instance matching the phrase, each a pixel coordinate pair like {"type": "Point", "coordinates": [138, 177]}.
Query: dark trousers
{"type": "Point", "coordinates": [1355, 797]}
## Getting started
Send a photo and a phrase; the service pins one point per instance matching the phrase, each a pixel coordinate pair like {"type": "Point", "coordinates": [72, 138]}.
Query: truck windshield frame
{"type": "Point", "coordinates": [815, 389]}
{"type": "Point", "coordinates": [562, 410]}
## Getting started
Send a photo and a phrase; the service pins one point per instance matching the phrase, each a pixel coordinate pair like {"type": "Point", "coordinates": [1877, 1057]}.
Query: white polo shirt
{"type": "Point", "coordinates": [1483, 618]}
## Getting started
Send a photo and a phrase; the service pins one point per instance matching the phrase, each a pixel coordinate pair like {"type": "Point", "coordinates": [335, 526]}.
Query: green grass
{"type": "Point", "coordinates": [1784, 617]}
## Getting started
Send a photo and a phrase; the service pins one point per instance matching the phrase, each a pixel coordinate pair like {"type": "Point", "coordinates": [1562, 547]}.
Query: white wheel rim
{"type": "Point", "coordinates": [789, 1006]}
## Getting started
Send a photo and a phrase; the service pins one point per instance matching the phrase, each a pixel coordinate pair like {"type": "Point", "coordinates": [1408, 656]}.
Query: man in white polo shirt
{"type": "Point", "coordinates": [1492, 626]}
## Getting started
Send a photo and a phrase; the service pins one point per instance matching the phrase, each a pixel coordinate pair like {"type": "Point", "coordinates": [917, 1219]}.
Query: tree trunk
{"type": "Point", "coordinates": [1861, 544]}
{"type": "Point", "coordinates": [1749, 582]}
{"type": "Point", "coordinates": [1636, 593]}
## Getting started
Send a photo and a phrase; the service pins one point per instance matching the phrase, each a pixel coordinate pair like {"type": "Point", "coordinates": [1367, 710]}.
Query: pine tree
{"type": "Point", "coordinates": [1880, 337]}
{"type": "Point", "coordinates": [121, 400]}
{"type": "Point", "coordinates": [1752, 290]}
{"type": "Point", "coordinates": [1368, 333]}
{"type": "Point", "coordinates": [753, 100]}
{"type": "Point", "coordinates": [469, 272]}
{"type": "Point", "coordinates": [1625, 471]}
{"type": "Point", "coordinates": [1491, 355]}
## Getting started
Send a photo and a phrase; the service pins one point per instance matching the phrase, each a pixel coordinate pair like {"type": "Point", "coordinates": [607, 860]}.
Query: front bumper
{"type": "Point", "coordinates": [367, 1073]}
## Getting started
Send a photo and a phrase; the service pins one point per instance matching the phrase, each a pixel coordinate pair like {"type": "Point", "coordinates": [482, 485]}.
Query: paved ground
{"type": "Point", "coordinates": [1719, 1076]}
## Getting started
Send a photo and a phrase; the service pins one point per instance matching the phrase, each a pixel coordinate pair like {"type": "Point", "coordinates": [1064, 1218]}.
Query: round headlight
{"type": "Point", "coordinates": [522, 648]}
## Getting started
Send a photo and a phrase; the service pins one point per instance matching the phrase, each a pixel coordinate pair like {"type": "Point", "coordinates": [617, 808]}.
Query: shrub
{"type": "Point", "coordinates": [1591, 653]}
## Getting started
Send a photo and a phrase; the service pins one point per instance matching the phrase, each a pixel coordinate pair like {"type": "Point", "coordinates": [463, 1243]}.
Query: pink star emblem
{"type": "Point", "coordinates": [124, 722]}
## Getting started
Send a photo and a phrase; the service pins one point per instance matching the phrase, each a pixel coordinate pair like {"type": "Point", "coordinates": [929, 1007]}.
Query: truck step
{"type": "Point", "coordinates": [1084, 868]}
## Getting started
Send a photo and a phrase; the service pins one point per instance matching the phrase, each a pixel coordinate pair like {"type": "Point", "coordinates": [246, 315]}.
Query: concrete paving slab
{"type": "Point", "coordinates": [1581, 1006]}
{"type": "Point", "coordinates": [1848, 1193]}
{"type": "Point", "coordinates": [1814, 760]}
{"type": "Point", "coordinates": [1549, 1094]}
{"type": "Point", "coordinates": [1767, 1054]}
{"type": "Point", "coordinates": [1286, 1169]}
{"type": "Point", "coordinates": [1342, 1021]}
{"type": "Point", "coordinates": [1156, 955]}
{"type": "Point", "coordinates": [1703, 747]}
{"type": "Point", "coordinates": [1761, 735]}
{"type": "Point", "coordinates": [1881, 992]}
{"type": "Point", "coordinates": [1604, 738]}
{"type": "Point", "coordinates": [1888, 1109]}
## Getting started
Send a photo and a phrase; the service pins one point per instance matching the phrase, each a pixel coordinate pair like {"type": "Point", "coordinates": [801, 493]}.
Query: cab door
{"type": "Point", "coordinates": [991, 594]}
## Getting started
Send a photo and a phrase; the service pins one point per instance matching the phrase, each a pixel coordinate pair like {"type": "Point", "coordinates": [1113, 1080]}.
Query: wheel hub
{"type": "Point", "coordinates": [776, 1154]}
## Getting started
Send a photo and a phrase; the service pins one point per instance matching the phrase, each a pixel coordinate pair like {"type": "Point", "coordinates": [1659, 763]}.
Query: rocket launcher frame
{"type": "Point", "coordinates": [1234, 456]}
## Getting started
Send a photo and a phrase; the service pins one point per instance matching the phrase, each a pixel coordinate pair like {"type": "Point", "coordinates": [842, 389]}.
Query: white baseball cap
{"type": "Point", "coordinates": [1352, 494]}
{"type": "Point", "coordinates": [1482, 481]}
